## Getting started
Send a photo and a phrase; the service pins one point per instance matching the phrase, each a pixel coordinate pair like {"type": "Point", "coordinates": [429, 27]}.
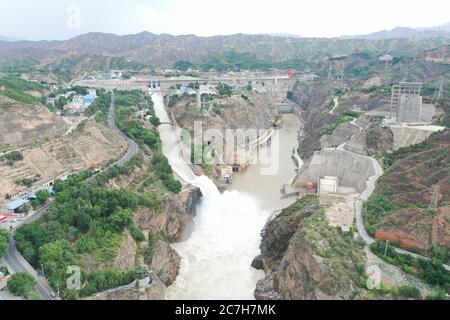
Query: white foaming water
{"type": "Point", "coordinates": [216, 259]}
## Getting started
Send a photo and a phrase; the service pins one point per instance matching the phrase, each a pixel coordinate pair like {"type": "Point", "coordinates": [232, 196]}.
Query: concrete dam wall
{"type": "Point", "coordinates": [351, 170]}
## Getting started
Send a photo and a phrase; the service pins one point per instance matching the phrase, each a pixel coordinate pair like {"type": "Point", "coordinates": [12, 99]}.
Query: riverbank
{"type": "Point", "coordinates": [216, 259]}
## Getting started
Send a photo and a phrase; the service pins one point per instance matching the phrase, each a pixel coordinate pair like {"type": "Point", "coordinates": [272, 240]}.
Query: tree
{"type": "Point", "coordinates": [4, 241]}
{"type": "Point", "coordinates": [155, 121]}
{"type": "Point", "coordinates": [56, 257]}
{"type": "Point", "coordinates": [183, 65]}
{"type": "Point", "coordinates": [120, 219]}
{"type": "Point", "coordinates": [61, 102]}
{"type": "Point", "coordinates": [42, 196]}
{"type": "Point", "coordinates": [21, 284]}
{"type": "Point", "coordinates": [140, 273]}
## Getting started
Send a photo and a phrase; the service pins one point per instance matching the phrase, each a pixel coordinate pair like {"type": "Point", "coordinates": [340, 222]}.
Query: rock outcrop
{"type": "Point", "coordinates": [165, 263]}
{"type": "Point", "coordinates": [306, 259]}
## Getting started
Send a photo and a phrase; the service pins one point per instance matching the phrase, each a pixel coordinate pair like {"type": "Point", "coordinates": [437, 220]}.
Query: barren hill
{"type": "Point", "coordinates": [164, 50]}
{"type": "Point", "coordinates": [93, 145]}
{"type": "Point", "coordinates": [25, 124]}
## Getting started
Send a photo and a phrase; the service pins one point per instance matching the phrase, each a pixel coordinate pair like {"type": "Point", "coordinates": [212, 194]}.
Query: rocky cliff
{"type": "Point", "coordinates": [304, 258]}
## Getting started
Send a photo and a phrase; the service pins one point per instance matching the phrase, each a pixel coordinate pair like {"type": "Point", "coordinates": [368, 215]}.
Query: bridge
{"type": "Point", "coordinates": [167, 123]}
{"type": "Point", "coordinates": [157, 84]}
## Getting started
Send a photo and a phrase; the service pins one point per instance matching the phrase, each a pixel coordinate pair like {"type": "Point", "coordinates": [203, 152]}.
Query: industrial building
{"type": "Point", "coordinates": [16, 206]}
{"type": "Point", "coordinates": [328, 185]}
{"type": "Point", "coordinates": [88, 100]}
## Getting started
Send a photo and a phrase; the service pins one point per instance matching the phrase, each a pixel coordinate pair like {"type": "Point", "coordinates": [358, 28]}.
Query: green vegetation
{"type": "Point", "coordinates": [21, 284]}
{"type": "Point", "coordinates": [330, 104]}
{"type": "Point", "coordinates": [4, 270]}
{"type": "Point", "coordinates": [115, 171]}
{"type": "Point", "coordinates": [83, 223]}
{"type": "Point", "coordinates": [375, 209]}
{"type": "Point", "coordinates": [237, 61]}
{"type": "Point", "coordinates": [224, 89]}
{"type": "Point", "coordinates": [390, 158]}
{"type": "Point", "coordinates": [102, 280]}
{"type": "Point", "coordinates": [20, 84]}
{"type": "Point", "coordinates": [19, 66]}
{"type": "Point", "coordinates": [140, 273]}
{"type": "Point", "coordinates": [61, 102]}
{"type": "Point", "coordinates": [41, 198]}
{"type": "Point", "coordinates": [12, 157]}
{"type": "Point", "coordinates": [4, 241]}
{"type": "Point", "coordinates": [173, 99]}
{"type": "Point", "coordinates": [132, 127]}
{"type": "Point", "coordinates": [26, 182]}
{"type": "Point", "coordinates": [19, 96]}
{"type": "Point", "coordinates": [17, 89]}
{"type": "Point", "coordinates": [342, 252]}
{"type": "Point", "coordinates": [136, 234]}
{"type": "Point", "coordinates": [351, 113]}
{"type": "Point", "coordinates": [383, 89]}
{"type": "Point", "coordinates": [407, 292]}
{"type": "Point", "coordinates": [328, 130]}
{"type": "Point", "coordinates": [183, 65]}
{"type": "Point", "coordinates": [431, 271]}
{"type": "Point", "coordinates": [136, 131]}
{"type": "Point", "coordinates": [164, 170]}
{"type": "Point", "coordinates": [100, 107]}
{"type": "Point", "coordinates": [439, 294]}
{"type": "Point", "coordinates": [346, 116]}
{"type": "Point", "coordinates": [66, 68]}
{"type": "Point", "coordinates": [145, 137]}
{"type": "Point", "coordinates": [150, 248]}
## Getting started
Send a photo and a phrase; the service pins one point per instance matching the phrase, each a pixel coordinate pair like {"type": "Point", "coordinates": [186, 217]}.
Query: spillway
{"type": "Point", "coordinates": [216, 259]}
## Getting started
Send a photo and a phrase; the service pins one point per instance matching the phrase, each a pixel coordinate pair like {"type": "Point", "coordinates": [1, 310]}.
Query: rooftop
{"type": "Point", "coordinates": [13, 205]}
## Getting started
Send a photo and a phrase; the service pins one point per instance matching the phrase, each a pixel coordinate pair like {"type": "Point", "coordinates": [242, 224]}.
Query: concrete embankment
{"type": "Point", "coordinates": [351, 170]}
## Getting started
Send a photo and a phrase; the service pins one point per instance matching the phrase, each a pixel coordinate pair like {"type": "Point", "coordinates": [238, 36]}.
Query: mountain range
{"type": "Point", "coordinates": [404, 32]}
{"type": "Point", "coordinates": [164, 50]}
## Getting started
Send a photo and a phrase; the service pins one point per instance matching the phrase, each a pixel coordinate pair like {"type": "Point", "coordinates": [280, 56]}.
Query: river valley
{"type": "Point", "coordinates": [216, 259]}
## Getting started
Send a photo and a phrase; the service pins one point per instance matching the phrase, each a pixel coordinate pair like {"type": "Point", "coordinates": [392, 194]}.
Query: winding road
{"type": "Point", "coordinates": [16, 261]}
{"type": "Point", "coordinates": [364, 196]}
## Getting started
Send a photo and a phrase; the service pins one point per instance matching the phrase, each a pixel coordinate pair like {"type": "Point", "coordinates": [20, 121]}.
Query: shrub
{"type": "Point", "coordinates": [137, 234]}
{"type": "Point", "coordinates": [408, 292]}
{"type": "Point", "coordinates": [4, 241]}
{"type": "Point", "coordinates": [102, 280]}
{"type": "Point", "coordinates": [21, 284]}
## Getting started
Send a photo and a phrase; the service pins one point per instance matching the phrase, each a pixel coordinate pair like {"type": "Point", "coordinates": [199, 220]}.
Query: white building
{"type": "Point", "coordinates": [328, 185]}
{"type": "Point", "coordinates": [208, 89]}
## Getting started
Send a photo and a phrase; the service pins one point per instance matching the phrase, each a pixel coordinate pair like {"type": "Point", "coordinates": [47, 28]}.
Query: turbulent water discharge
{"type": "Point", "coordinates": [216, 258]}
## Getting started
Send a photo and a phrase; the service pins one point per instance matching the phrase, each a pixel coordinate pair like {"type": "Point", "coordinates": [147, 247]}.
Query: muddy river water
{"type": "Point", "coordinates": [216, 258]}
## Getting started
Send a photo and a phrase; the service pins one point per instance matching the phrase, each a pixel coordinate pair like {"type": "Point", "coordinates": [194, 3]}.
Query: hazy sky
{"type": "Point", "coordinates": [62, 19]}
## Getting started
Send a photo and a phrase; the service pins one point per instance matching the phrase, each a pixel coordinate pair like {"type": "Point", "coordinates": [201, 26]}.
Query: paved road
{"type": "Point", "coordinates": [132, 146]}
{"type": "Point", "coordinates": [16, 261]}
{"type": "Point", "coordinates": [364, 196]}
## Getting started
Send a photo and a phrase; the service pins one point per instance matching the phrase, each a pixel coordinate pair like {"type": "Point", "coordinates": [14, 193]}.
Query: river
{"type": "Point", "coordinates": [216, 259]}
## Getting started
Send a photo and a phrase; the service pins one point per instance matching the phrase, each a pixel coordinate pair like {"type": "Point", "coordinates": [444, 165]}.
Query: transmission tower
{"type": "Point", "coordinates": [439, 92]}
{"type": "Point", "coordinates": [386, 58]}
{"type": "Point", "coordinates": [434, 198]}
{"type": "Point", "coordinates": [330, 71]}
